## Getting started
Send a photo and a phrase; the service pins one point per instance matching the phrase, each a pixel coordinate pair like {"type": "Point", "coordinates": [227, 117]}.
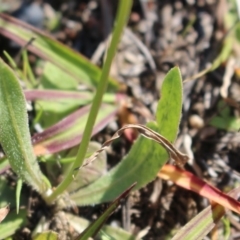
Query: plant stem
{"type": "Point", "coordinates": [121, 20]}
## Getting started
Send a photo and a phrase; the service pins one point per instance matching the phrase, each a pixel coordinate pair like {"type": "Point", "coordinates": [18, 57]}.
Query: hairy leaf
{"type": "Point", "coordinates": [146, 157]}
{"type": "Point", "coordinates": [14, 132]}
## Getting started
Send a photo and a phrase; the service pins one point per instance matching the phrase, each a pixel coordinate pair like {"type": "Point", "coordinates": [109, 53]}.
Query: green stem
{"type": "Point", "coordinates": [121, 20]}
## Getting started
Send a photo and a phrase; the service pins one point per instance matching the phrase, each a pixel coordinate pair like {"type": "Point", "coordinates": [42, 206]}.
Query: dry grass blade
{"type": "Point", "coordinates": [4, 212]}
{"type": "Point", "coordinates": [179, 158]}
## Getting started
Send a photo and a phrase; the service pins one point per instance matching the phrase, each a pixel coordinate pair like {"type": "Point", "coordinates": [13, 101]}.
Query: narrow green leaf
{"type": "Point", "coordinates": [169, 109]}
{"type": "Point", "coordinates": [10, 60]}
{"type": "Point", "coordinates": [82, 97]}
{"type": "Point", "coordinates": [51, 76]}
{"type": "Point", "coordinates": [49, 235]}
{"type": "Point", "coordinates": [225, 120]}
{"type": "Point", "coordinates": [226, 50]}
{"type": "Point", "coordinates": [79, 224]}
{"type": "Point", "coordinates": [28, 71]}
{"type": "Point", "coordinates": [90, 173]}
{"type": "Point", "coordinates": [68, 132]}
{"type": "Point", "coordinates": [122, 16]}
{"type": "Point", "coordinates": [55, 104]}
{"type": "Point", "coordinates": [13, 221]}
{"type": "Point", "coordinates": [18, 194]}
{"type": "Point", "coordinates": [55, 109]}
{"type": "Point", "coordinates": [227, 123]}
{"type": "Point", "coordinates": [94, 227]}
{"type": "Point", "coordinates": [204, 222]}
{"type": "Point", "coordinates": [48, 48]}
{"type": "Point", "coordinates": [14, 133]}
{"type": "Point", "coordinates": [227, 228]}
{"type": "Point", "coordinates": [146, 157]}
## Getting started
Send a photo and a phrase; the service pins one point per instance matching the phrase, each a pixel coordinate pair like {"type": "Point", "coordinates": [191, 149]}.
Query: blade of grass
{"type": "Point", "coordinates": [27, 69]}
{"type": "Point", "coordinates": [79, 224]}
{"type": "Point", "coordinates": [33, 95]}
{"type": "Point", "coordinates": [54, 105]}
{"type": "Point", "coordinates": [13, 64]}
{"type": "Point", "coordinates": [48, 48]}
{"type": "Point", "coordinates": [68, 132]}
{"type": "Point", "coordinates": [204, 222]}
{"type": "Point", "coordinates": [59, 95]}
{"type": "Point", "coordinates": [18, 194]}
{"type": "Point", "coordinates": [94, 228]}
{"type": "Point", "coordinates": [121, 20]}
{"type": "Point", "coordinates": [10, 60]}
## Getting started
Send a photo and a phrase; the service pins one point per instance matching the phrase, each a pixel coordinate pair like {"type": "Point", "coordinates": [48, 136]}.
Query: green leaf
{"type": "Point", "coordinates": [27, 71]}
{"type": "Point", "coordinates": [90, 173]}
{"type": "Point", "coordinates": [4, 165]}
{"type": "Point", "coordinates": [226, 227]}
{"type": "Point", "coordinates": [85, 175]}
{"type": "Point", "coordinates": [48, 48]}
{"type": "Point", "coordinates": [49, 235]}
{"type": "Point", "coordinates": [56, 104]}
{"type": "Point", "coordinates": [169, 108]}
{"type": "Point", "coordinates": [10, 60]}
{"type": "Point", "coordinates": [18, 194]}
{"type": "Point", "coordinates": [146, 157]}
{"type": "Point", "coordinates": [225, 120]}
{"type": "Point", "coordinates": [94, 227]}
{"type": "Point", "coordinates": [53, 110]}
{"type": "Point", "coordinates": [226, 123]}
{"type": "Point", "coordinates": [122, 16]}
{"type": "Point", "coordinates": [14, 132]}
{"type": "Point", "coordinates": [13, 221]}
{"type": "Point", "coordinates": [68, 132]}
{"type": "Point", "coordinates": [54, 77]}
{"type": "Point", "coordinates": [79, 224]}
{"type": "Point", "coordinates": [204, 221]}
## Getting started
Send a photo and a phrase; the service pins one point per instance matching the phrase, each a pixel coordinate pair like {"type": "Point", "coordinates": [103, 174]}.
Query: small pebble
{"type": "Point", "coordinates": [31, 13]}
{"type": "Point", "coordinates": [196, 121]}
